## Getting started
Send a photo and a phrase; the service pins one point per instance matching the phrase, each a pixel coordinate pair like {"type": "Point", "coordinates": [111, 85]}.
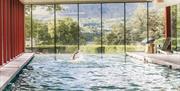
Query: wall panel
{"type": "Point", "coordinates": [1, 61]}
{"type": "Point", "coordinates": [11, 29]}
{"type": "Point", "coordinates": [5, 31]}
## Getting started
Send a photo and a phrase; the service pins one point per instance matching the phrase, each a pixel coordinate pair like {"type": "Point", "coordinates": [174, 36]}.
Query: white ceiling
{"type": "Point", "coordinates": [77, 1]}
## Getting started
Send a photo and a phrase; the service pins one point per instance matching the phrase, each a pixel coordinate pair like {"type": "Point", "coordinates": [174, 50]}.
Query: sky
{"type": "Point", "coordinates": [88, 11]}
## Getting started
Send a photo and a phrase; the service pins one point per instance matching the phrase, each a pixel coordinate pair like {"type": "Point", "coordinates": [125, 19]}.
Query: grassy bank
{"type": "Point", "coordinates": [87, 48]}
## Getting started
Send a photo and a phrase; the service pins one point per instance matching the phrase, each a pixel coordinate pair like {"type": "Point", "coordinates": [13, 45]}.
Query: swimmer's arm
{"type": "Point", "coordinates": [74, 55]}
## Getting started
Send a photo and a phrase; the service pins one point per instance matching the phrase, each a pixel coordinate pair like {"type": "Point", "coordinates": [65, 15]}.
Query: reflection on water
{"type": "Point", "coordinates": [96, 72]}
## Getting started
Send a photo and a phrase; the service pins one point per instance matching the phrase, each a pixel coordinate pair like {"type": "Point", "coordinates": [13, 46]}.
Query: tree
{"type": "Point", "coordinates": [136, 31]}
{"type": "Point", "coordinates": [138, 23]}
{"type": "Point", "coordinates": [66, 32]}
{"type": "Point", "coordinates": [156, 23]}
{"type": "Point", "coordinates": [116, 36]}
{"type": "Point", "coordinates": [39, 32]}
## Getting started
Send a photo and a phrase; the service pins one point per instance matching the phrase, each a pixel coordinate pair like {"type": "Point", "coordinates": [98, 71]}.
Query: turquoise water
{"type": "Point", "coordinates": [94, 73]}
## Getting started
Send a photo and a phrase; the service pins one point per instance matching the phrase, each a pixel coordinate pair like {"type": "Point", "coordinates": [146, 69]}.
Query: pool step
{"type": "Point", "coordinates": [10, 70]}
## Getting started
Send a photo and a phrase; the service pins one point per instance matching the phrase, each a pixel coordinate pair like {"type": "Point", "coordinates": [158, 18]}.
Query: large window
{"type": "Point", "coordinates": [93, 28]}
{"type": "Point", "coordinates": [175, 21]}
{"type": "Point", "coordinates": [113, 27]}
{"type": "Point", "coordinates": [28, 28]}
{"type": "Point", "coordinates": [67, 32]}
{"type": "Point", "coordinates": [90, 28]}
{"type": "Point", "coordinates": [156, 25]}
{"type": "Point", "coordinates": [43, 28]}
{"type": "Point", "coordinates": [174, 18]}
{"type": "Point", "coordinates": [178, 28]}
{"type": "Point", "coordinates": [136, 26]}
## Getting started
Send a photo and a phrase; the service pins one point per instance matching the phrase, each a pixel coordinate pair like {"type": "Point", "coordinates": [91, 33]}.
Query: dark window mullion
{"type": "Point", "coordinates": [125, 28]}
{"type": "Point", "coordinates": [55, 37]}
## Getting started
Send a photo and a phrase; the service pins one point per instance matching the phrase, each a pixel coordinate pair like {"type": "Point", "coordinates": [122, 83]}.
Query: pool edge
{"type": "Point", "coordinates": [149, 58]}
{"type": "Point", "coordinates": [9, 71]}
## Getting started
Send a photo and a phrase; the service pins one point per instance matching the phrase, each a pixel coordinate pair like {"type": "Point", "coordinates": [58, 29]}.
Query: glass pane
{"type": "Point", "coordinates": [90, 28]}
{"type": "Point", "coordinates": [174, 27]}
{"type": "Point", "coordinates": [156, 25]}
{"type": "Point", "coordinates": [67, 28]}
{"type": "Point", "coordinates": [43, 28]}
{"type": "Point", "coordinates": [113, 27]}
{"type": "Point", "coordinates": [136, 25]}
{"type": "Point", "coordinates": [178, 27]}
{"type": "Point", "coordinates": [28, 28]}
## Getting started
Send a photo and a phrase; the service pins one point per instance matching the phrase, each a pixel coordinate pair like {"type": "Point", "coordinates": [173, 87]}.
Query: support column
{"type": "Point", "coordinates": [8, 31]}
{"type": "Point", "coordinates": [18, 29]}
{"type": "Point", "coordinates": [12, 28]}
{"type": "Point", "coordinates": [168, 25]}
{"type": "Point", "coordinates": [55, 37]}
{"type": "Point", "coordinates": [15, 29]}
{"type": "Point", "coordinates": [23, 28]}
{"type": "Point", "coordinates": [5, 31]}
{"type": "Point", "coordinates": [1, 61]}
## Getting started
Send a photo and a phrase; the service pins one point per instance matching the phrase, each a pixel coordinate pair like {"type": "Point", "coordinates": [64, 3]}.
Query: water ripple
{"type": "Point", "coordinates": [99, 72]}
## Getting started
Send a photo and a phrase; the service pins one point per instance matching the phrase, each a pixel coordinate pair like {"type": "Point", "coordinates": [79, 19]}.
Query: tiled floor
{"type": "Point", "coordinates": [10, 70]}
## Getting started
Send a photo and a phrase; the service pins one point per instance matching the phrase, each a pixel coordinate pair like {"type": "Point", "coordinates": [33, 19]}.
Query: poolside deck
{"type": "Point", "coordinates": [10, 70]}
{"type": "Point", "coordinates": [169, 60]}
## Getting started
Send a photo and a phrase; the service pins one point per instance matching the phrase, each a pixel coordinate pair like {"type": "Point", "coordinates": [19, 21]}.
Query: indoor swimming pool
{"type": "Point", "coordinates": [107, 72]}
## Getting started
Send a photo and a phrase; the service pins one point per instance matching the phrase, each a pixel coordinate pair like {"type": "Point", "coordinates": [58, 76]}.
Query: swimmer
{"type": "Point", "coordinates": [74, 54]}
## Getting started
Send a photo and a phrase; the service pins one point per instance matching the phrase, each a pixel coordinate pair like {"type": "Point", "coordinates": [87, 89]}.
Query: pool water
{"type": "Point", "coordinates": [95, 73]}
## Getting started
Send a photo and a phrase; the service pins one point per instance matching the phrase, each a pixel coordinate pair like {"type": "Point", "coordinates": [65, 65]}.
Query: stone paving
{"type": "Point", "coordinates": [170, 60]}
{"type": "Point", "coordinates": [10, 70]}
